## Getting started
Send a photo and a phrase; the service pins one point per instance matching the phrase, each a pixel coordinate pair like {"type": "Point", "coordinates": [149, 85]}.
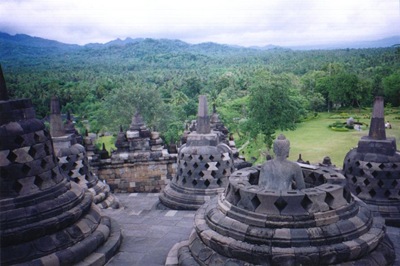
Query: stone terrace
{"type": "Point", "coordinates": [149, 233]}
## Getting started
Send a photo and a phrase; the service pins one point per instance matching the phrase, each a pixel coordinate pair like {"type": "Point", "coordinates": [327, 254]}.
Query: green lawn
{"type": "Point", "coordinates": [314, 140]}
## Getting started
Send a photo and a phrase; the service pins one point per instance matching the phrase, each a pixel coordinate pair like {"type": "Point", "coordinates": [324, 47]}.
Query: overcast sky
{"type": "Point", "coordinates": [240, 22]}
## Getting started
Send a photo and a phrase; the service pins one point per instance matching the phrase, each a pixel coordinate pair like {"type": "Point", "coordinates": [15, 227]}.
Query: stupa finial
{"type": "Point", "coordinates": [203, 120]}
{"type": "Point", "coordinates": [3, 87]}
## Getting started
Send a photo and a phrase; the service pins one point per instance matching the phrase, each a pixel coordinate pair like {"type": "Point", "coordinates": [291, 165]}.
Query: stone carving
{"type": "Point", "coordinates": [203, 168]}
{"type": "Point", "coordinates": [280, 173]}
{"type": "Point", "coordinates": [373, 169]}
{"type": "Point", "coordinates": [45, 219]}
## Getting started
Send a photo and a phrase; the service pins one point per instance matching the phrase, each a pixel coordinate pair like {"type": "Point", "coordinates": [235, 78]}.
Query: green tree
{"type": "Point", "coordinates": [391, 87]}
{"type": "Point", "coordinates": [274, 104]}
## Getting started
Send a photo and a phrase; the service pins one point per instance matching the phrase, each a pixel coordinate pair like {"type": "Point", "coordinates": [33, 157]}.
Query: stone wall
{"type": "Point", "coordinates": [136, 175]}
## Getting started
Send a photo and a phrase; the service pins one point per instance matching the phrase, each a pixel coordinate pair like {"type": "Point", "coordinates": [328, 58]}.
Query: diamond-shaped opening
{"type": "Point", "coordinates": [180, 171]}
{"type": "Point", "coordinates": [75, 164]}
{"type": "Point", "coordinates": [64, 167]}
{"type": "Point", "coordinates": [194, 182]}
{"type": "Point", "coordinates": [32, 152]}
{"type": "Point", "coordinates": [38, 181]}
{"type": "Point", "coordinates": [211, 158]}
{"type": "Point", "coordinates": [189, 173]}
{"type": "Point", "coordinates": [217, 164]}
{"type": "Point", "coordinates": [43, 163]}
{"type": "Point", "coordinates": [369, 165]}
{"type": "Point", "coordinates": [381, 166]}
{"type": "Point", "coordinates": [207, 165]}
{"type": "Point", "coordinates": [367, 182]}
{"type": "Point", "coordinates": [184, 181]}
{"type": "Point", "coordinates": [350, 169]}
{"type": "Point", "coordinates": [71, 173]}
{"type": "Point", "coordinates": [347, 194]}
{"type": "Point", "coordinates": [195, 165]}
{"type": "Point", "coordinates": [375, 173]}
{"type": "Point", "coordinates": [47, 149]}
{"type": "Point", "coordinates": [321, 180]}
{"type": "Point", "coordinates": [190, 157]}
{"type": "Point", "coordinates": [387, 193]}
{"type": "Point", "coordinates": [46, 133]}
{"type": "Point", "coordinates": [394, 183]}
{"type": "Point", "coordinates": [17, 186]}
{"type": "Point", "coordinates": [201, 157]}
{"type": "Point", "coordinates": [201, 174]}
{"type": "Point", "coordinates": [306, 202]}
{"type": "Point", "coordinates": [219, 182]}
{"type": "Point", "coordinates": [394, 166]}
{"type": "Point", "coordinates": [12, 156]}
{"type": "Point", "coordinates": [354, 179]}
{"type": "Point", "coordinates": [207, 183]}
{"type": "Point", "coordinates": [380, 183]}
{"type": "Point", "coordinates": [82, 171]}
{"type": "Point", "coordinates": [36, 137]}
{"type": "Point", "coordinates": [280, 204]}
{"type": "Point", "coordinates": [224, 172]}
{"type": "Point", "coordinates": [372, 193]}
{"type": "Point", "coordinates": [213, 174]}
{"type": "Point", "coordinates": [25, 169]}
{"type": "Point", "coordinates": [237, 197]}
{"type": "Point", "coordinates": [19, 140]}
{"type": "Point", "coordinates": [255, 202]}
{"type": "Point", "coordinates": [358, 190]}
{"type": "Point", "coordinates": [329, 199]}
{"type": "Point", "coordinates": [185, 164]}
{"type": "Point", "coordinates": [357, 163]}
{"type": "Point", "coordinates": [362, 172]}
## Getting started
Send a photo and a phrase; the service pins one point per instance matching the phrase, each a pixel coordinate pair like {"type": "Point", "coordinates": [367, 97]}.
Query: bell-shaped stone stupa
{"type": "Point", "coordinates": [203, 168]}
{"type": "Point", "coordinates": [45, 219]}
{"type": "Point", "coordinates": [373, 169]}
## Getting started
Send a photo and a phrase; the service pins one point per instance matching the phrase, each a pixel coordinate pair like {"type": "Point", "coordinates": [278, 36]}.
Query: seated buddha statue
{"type": "Point", "coordinates": [280, 173]}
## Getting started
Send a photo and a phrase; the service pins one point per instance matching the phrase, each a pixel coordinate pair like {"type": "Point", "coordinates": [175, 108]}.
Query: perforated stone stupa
{"type": "Point", "coordinates": [373, 169]}
{"type": "Point", "coordinates": [249, 224]}
{"type": "Point", "coordinates": [74, 162]}
{"type": "Point", "coordinates": [45, 219]}
{"type": "Point", "coordinates": [203, 168]}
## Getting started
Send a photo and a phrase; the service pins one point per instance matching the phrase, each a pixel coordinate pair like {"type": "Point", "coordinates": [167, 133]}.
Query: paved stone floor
{"type": "Point", "coordinates": [149, 232]}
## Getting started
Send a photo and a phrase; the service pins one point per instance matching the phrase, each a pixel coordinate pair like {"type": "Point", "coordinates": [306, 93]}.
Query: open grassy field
{"type": "Point", "coordinates": [314, 139]}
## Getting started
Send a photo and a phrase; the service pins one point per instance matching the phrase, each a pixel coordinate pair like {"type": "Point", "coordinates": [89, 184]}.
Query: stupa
{"type": "Point", "coordinates": [204, 165]}
{"type": "Point", "coordinates": [74, 162]}
{"type": "Point", "coordinates": [373, 168]}
{"type": "Point", "coordinates": [140, 163]}
{"type": "Point", "coordinates": [253, 224]}
{"type": "Point", "coordinates": [45, 219]}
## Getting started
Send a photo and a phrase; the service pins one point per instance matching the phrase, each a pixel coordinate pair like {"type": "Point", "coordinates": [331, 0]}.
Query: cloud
{"type": "Point", "coordinates": [252, 22]}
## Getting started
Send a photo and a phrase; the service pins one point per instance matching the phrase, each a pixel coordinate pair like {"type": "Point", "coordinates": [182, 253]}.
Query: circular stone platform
{"type": "Point", "coordinates": [320, 225]}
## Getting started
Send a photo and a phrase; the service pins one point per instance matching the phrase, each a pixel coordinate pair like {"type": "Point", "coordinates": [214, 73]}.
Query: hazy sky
{"type": "Point", "coordinates": [241, 22]}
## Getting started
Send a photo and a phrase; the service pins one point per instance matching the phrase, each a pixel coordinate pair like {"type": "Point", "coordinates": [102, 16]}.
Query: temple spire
{"type": "Point", "coordinates": [377, 128]}
{"type": "Point", "coordinates": [203, 120]}
{"type": "Point", "coordinates": [56, 124]}
{"type": "Point", "coordinates": [3, 87]}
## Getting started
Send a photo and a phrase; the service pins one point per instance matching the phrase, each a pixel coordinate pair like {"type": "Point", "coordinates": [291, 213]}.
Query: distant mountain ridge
{"type": "Point", "coordinates": [26, 40]}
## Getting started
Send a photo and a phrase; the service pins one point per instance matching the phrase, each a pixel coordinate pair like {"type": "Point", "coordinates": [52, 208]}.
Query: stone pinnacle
{"type": "Point", "coordinates": [377, 128]}
{"type": "Point", "coordinates": [203, 120]}
{"type": "Point", "coordinates": [3, 87]}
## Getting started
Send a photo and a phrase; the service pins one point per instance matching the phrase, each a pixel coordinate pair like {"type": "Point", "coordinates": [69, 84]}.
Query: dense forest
{"type": "Point", "coordinates": [255, 90]}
